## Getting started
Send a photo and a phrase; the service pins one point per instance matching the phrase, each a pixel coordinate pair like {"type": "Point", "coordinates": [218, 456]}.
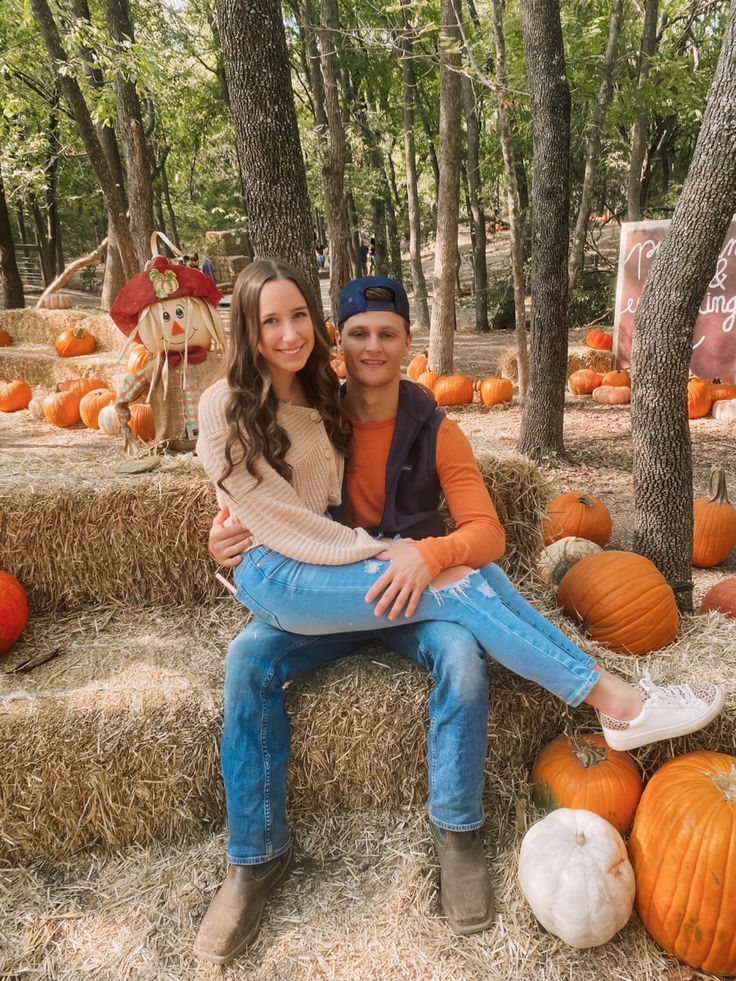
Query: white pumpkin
{"type": "Point", "coordinates": [576, 876]}
{"type": "Point", "coordinates": [35, 407]}
{"type": "Point", "coordinates": [558, 558]}
{"type": "Point", "coordinates": [724, 409]}
{"type": "Point", "coordinates": [108, 421]}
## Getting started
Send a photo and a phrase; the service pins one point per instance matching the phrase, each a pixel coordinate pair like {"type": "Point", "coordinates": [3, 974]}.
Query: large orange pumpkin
{"type": "Point", "coordinates": [582, 771]}
{"type": "Point", "coordinates": [417, 367]}
{"type": "Point", "coordinates": [14, 395]}
{"type": "Point", "coordinates": [429, 378]}
{"type": "Point", "coordinates": [80, 386]}
{"type": "Point", "coordinates": [683, 850]}
{"type": "Point", "coordinates": [721, 597]}
{"type": "Point", "coordinates": [714, 524]}
{"type": "Point", "coordinates": [13, 610]}
{"type": "Point", "coordinates": [617, 378]}
{"type": "Point", "coordinates": [5, 338]}
{"type": "Point", "coordinates": [599, 340]}
{"type": "Point", "coordinates": [495, 390]}
{"type": "Point", "coordinates": [454, 389]}
{"type": "Point", "coordinates": [577, 515]}
{"type": "Point", "coordinates": [622, 600]}
{"type": "Point", "coordinates": [699, 398]}
{"type": "Point", "coordinates": [91, 404]}
{"type": "Point", "coordinates": [74, 342]}
{"type": "Point", "coordinates": [583, 382]}
{"type": "Point", "coordinates": [720, 390]}
{"type": "Point", "coordinates": [142, 424]}
{"type": "Point", "coordinates": [62, 409]}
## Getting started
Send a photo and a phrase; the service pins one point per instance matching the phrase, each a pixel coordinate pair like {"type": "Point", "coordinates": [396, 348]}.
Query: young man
{"type": "Point", "coordinates": [405, 455]}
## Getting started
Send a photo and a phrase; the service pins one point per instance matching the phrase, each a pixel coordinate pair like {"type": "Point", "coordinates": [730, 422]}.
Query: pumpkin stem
{"type": "Point", "coordinates": [726, 783]}
{"type": "Point", "coordinates": [718, 494]}
{"type": "Point", "coordinates": [580, 838]}
{"type": "Point", "coordinates": [584, 499]}
{"type": "Point", "coordinates": [586, 753]}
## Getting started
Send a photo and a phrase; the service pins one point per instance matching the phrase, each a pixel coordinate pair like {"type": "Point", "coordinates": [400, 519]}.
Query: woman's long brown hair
{"type": "Point", "coordinates": [251, 411]}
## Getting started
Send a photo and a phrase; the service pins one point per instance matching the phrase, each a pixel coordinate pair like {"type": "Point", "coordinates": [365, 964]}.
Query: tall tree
{"type": "Point", "coordinates": [640, 129]}
{"type": "Point", "coordinates": [441, 333]}
{"type": "Point", "coordinates": [540, 436]}
{"type": "Point", "coordinates": [11, 284]}
{"type": "Point", "coordinates": [665, 319]}
{"type": "Point", "coordinates": [266, 132]}
{"type": "Point", "coordinates": [480, 271]}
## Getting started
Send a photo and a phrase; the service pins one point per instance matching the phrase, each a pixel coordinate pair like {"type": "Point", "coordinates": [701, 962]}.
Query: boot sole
{"type": "Point", "coordinates": [466, 930]}
{"type": "Point", "coordinates": [246, 941]}
{"type": "Point", "coordinates": [674, 732]}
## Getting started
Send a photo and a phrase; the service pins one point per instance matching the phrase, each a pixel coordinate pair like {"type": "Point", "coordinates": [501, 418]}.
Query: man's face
{"type": "Point", "coordinates": [374, 345]}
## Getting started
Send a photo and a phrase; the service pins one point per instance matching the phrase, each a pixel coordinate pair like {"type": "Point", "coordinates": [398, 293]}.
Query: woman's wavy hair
{"type": "Point", "coordinates": [251, 411]}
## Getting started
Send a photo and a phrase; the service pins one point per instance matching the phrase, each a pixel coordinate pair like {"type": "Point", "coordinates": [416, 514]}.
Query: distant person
{"type": "Point", "coordinates": [371, 271]}
{"type": "Point", "coordinates": [319, 252]}
{"type": "Point", "coordinates": [193, 261]}
{"type": "Point", "coordinates": [363, 259]}
{"type": "Point", "coordinates": [208, 269]}
{"type": "Point", "coordinates": [183, 260]}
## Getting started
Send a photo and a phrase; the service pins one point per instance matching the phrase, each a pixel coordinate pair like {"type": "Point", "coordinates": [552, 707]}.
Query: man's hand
{"type": "Point", "coordinates": [403, 583]}
{"type": "Point", "coordinates": [228, 539]}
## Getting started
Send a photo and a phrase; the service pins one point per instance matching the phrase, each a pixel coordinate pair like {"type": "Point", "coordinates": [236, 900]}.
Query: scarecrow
{"type": "Point", "coordinates": [172, 311]}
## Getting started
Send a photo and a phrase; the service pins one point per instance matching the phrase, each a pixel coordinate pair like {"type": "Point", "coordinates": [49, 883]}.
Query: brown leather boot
{"type": "Point", "coordinates": [233, 919]}
{"type": "Point", "coordinates": [466, 893]}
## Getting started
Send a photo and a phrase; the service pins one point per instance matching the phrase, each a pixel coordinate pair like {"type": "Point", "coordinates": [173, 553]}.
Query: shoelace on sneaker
{"type": "Point", "coordinates": [667, 695]}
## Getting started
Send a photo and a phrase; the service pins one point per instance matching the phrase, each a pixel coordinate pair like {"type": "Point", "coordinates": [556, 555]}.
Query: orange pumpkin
{"type": "Point", "coordinates": [429, 378]}
{"type": "Point", "coordinates": [683, 850]}
{"type": "Point", "coordinates": [616, 378]}
{"type": "Point", "coordinates": [581, 771]}
{"type": "Point", "coordinates": [91, 404]}
{"type": "Point", "coordinates": [454, 389]}
{"type": "Point", "coordinates": [13, 610]}
{"type": "Point", "coordinates": [14, 395]}
{"type": "Point", "coordinates": [5, 339]}
{"type": "Point", "coordinates": [612, 395]}
{"type": "Point", "coordinates": [622, 600]}
{"type": "Point", "coordinates": [330, 328]}
{"type": "Point", "coordinates": [142, 424]}
{"type": "Point", "coordinates": [599, 340]}
{"type": "Point", "coordinates": [62, 409]}
{"type": "Point", "coordinates": [138, 358]}
{"type": "Point", "coordinates": [80, 386]}
{"type": "Point", "coordinates": [583, 382]}
{"type": "Point", "coordinates": [699, 398]}
{"type": "Point", "coordinates": [577, 515]}
{"type": "Point", "coordinates": [721, 597]}
{"type": "Point", "coordinates": [495, 390]}
{"type": "Point", "coordinates": [720, 390]}
{"type": "Point", "coordinates": [74, 342]}
{"type": "Point", "coordinates": [55, 301]}
{"type": "Point", "coordinates": [417, 367]}
{"type": "Point", "coordinates": [714, 524]}
{"type": "Point", "coordinates": [338, 366]}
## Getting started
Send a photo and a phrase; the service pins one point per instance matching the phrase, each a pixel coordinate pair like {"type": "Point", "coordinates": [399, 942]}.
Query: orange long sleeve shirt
{"type": "Point", "coordinates": [479, 537]}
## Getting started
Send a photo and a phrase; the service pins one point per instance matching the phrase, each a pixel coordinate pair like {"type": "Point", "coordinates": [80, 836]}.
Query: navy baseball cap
{"type": "Point", "coordinates": [353, 299]}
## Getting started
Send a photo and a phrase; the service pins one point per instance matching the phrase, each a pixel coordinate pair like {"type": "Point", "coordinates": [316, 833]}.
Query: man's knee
{"type": "Point", "coordinates": [252, 654]}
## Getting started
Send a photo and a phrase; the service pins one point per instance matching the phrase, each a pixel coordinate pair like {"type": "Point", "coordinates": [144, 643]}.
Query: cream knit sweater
{"type": "Point", "coordinates": [287, 517]}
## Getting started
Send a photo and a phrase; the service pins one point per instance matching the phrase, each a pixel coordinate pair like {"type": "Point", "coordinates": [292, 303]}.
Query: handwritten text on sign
{"type": "Point", "coordinates": [714, 340]}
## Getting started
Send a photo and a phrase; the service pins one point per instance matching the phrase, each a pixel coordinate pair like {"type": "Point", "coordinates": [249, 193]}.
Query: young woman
{"type": "Point", "coordinates": [274, 441]}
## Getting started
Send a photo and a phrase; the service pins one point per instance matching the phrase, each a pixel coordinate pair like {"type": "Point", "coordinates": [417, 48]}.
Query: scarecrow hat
{"type": "Point", "coordinates": [160, 280]}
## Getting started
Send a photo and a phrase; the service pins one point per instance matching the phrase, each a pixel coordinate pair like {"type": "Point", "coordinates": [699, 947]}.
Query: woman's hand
{"type": "Point", "coordinates": [228, 539]}
{"type": "Point", "coordinates": [403, 583]}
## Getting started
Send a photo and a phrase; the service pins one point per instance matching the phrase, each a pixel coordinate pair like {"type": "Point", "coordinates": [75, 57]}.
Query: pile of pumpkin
{"type": "Point", "coordinates": [680, 868]}
{"type": "Point", "coordinates": [458, 388]}
{"type": "Point", "coordinates": [715, 397]}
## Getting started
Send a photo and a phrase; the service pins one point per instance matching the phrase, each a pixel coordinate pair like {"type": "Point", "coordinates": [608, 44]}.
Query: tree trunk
{"type": "Point", "coordinates": [40, 228]}
{"type": "Point", "coordinates": [354, 235]}
{"type": "Point", "coordinates": [266, 132]}
{"type": "Point", "coordinates": [392, 235]}
{"type": "Point", "coordinates": [665, 320]}
{"type": "Point", "coordinates": [378, 213]}
{"type": "Point", "coordinates": [540, 436]}
{"type": "Point", "coordinates": [73, 94]}
{"type": "Point", "coordinates": [441, 332]}
{"type": "Point", "coordinates": [71, 270]}
{"type": "Point", "coordinates": [516, 230]}
{"type": "Point", "coordinates": [480, 270]}
{"type": "Point", "coordinates": [52, 205]}
{"type": "Point", "coordinates": [430, 141]}
{"type": "Point", "coordinates": [114, 276]}
{"type": "Point", "coordinates": [11, 284]}
{"type": "Point", "coordinates": [593, 145]}
{"type": "Point", "coordinates": [421, 307]}
{"type": "Point", "coordinates": [640, 129]}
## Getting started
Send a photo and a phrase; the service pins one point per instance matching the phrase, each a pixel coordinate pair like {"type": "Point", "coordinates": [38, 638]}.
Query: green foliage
{"type": "Point", "coordinates": [592, 298]}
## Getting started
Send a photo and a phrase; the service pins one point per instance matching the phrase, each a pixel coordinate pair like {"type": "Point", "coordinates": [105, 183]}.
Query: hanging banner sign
{"type": "Point", "coordinates": [714, 340]}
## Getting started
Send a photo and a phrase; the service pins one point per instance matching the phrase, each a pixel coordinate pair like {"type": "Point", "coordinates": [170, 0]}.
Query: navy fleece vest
{"type": "Point", "coordinates": [412, 485]}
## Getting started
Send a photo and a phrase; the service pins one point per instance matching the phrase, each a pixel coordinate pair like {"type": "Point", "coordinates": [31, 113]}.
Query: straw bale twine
{"type": "Point", "coordinates": [42, 368]}
{"type": "Point", "coordinates": [43, 326]}
{"type": "Point", "coordinates": [576, 359]}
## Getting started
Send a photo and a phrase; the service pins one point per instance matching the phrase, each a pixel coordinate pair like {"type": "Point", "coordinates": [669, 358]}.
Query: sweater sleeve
{"type": "Point", "coordinates": [272, 509]}
{"type": "Point", "coordinates": [479, 537]}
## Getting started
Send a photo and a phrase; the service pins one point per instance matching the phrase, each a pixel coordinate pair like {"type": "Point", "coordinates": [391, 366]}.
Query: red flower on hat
{"type": "Point", "coordinates": [162, 280]}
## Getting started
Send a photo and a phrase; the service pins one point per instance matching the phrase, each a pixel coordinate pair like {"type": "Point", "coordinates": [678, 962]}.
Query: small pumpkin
{"type": "Point", "coordinates": [721, 597]}
{"type": "Point", "coordinates": [35, 407]}
{"type": "Point", "coordinates": [582, 771]}
{"type": "Point", "coordinates": [108, 420]}
{"type": "Point", "coordinates": [599, 340]}
{"type": "Point", "coordinates": [62, 409]}
{"type": "Point", "coordinates": [576, 876]}
{"type": "Point", "coordinates": [622, 600]}
{"type": "Point", "coordinates": [138, 358]}
{"type": "Point", "coordinates": [558, 558]}
{"type": "Point", "coordinates": [454, 389]}
{"type": "Point", "coordinates": [495, 390]}
{"type": "Point", "coordinates": [80, 386]}
{"type": "Point", "coordinates": [55, 301]}
{"type": "Point", "coordinates": [5, 339]}
{"type": "Point", "coordinates": [578, 515]}
{"type": "Point", "coordinates": [722, 390]}
{"type": "Point", "coordinates": [724, 410]}
{"type": "Point", "coordinates": [429, 378]}
{"type": "Point", "coordinates": [714, 523]}
{"type": "Point", "coordinates": [699, 398]}
{"type": "Point", "coordinates": [13, 610]}
{"type": "Point", "coordinates": [14, 395]}
{"type": "Point", "coordinates": [142, 423]}
{"type": "Point", "coordinates": [330, 328]}
{"type": "Point", "coordinates": [417, 366]}
{"type": "Point", "coordinates": [74, 342]}
{"type": "Point", "coordinates": [683, 849]}
{"type": "Point", "coordinates": [91, 404]}
{"type": "Point", "coordinates": [338, 366]}
{"type": "Point", "coordinates": [612, 395]}
{"type": "Point", "coordinates": [617, 379]}
{"type": "Point", "coordinates": [583, 382]}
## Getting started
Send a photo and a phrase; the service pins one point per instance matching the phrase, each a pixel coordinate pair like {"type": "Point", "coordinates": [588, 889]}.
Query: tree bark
{"type": "Point", "coordinates": [266, 132]}
{"type": "Point", "coordinates": [665, 321]}
{"type": "Point", "coordinates": [74, 267]}
{"type": "Point", "coordinates": [516, 230]}
{"type": "Point", "coordinates": [378, 215]}
{"type": "Point", "coordinates": [640, 129]}
{"type": "Point", "coordinates": [442, 327]}
{"type": "Point", "coordinates": [541, 436]}
{"type": "Point", "coordinates": [73, 94]}
{"type": "Point", "coordinates": [593, 145]}
{"type": "Point", "coordinates": [480, 270]}
{"type": "Point", "coordinates": [11, 284]}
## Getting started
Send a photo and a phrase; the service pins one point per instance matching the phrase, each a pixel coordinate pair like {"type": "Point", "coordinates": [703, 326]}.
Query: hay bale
{"type": "Point", "coordinates": [42, 368]}
{"type": "Point", "coordinates": [576, 359]}
{"type": "Point", "coordinates": [43, 326]}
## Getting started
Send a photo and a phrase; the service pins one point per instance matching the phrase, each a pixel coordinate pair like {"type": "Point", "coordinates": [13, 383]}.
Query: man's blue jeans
{"type": "Point", "coordinates": [257, 738]}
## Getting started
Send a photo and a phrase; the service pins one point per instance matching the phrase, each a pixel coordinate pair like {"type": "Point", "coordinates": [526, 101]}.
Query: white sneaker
{"type": "Point", "coordinates": [668, 711]}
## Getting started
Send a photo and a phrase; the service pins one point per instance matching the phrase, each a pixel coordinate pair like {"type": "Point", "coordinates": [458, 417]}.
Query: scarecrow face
{"type": "Point", "coordinates": [172, 325]}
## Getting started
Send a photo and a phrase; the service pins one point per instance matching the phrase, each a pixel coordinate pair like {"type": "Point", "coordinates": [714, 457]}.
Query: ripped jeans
{"type": "Point", "coordinates": [325, 599]}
